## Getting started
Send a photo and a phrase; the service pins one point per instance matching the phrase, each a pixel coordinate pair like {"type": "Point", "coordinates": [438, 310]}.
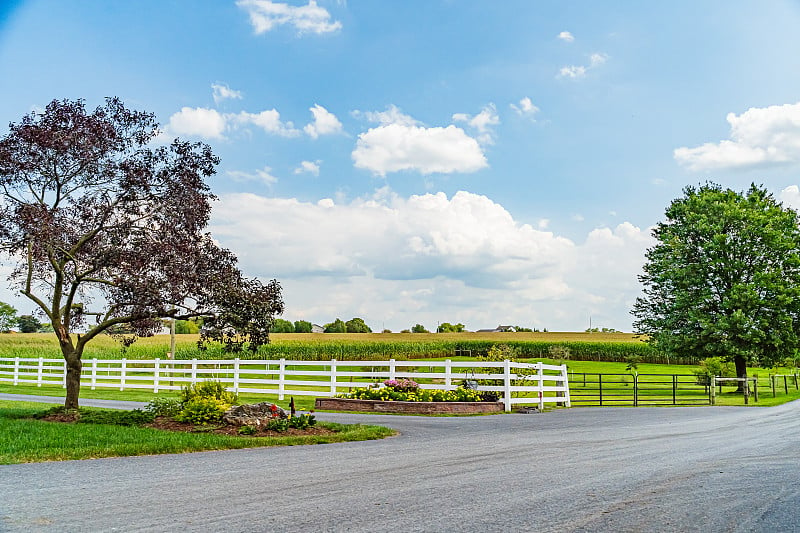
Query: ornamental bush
{"type": "Point", "coordinates": [208, 389]}
{"type": "Point", "coordinates": [201, 410]}
{"type": "Point", "coordinates": [460, 394]}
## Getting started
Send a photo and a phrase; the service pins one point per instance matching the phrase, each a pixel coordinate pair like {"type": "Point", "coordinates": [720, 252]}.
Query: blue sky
{"type": "Point", "coordinates": [428, 160]}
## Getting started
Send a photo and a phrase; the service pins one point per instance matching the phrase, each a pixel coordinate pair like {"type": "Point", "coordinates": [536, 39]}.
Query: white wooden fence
{"type": "Point", "coordinates": [518, 383]}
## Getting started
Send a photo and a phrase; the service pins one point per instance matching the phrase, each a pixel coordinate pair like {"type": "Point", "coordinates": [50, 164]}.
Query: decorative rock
{"type": "Point", "coordinates": [256, 414]}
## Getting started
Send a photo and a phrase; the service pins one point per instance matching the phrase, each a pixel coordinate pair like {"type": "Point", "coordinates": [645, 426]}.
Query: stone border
{"type": "Point", "coordinates": [427, 408]}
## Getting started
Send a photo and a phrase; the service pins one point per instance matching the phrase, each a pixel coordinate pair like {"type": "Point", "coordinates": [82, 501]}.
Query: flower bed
{"type": "Point", "coordinates": [406, 396]}
{"type": "Point", "coordinates": [393, 406]}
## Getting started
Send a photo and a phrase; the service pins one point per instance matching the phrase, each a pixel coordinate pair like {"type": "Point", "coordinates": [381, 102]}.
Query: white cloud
{"type": "Point", "coordinates": [525, 108]}
{"type": "Point", "coordinates": [308, 167]}
{"type": "Point", "coordinates": [400, 143]}
{"type": "Point", "coordinates": [197, 121]}
{"type": "Point", "coordinates": [211, 124]}
{"type": "Point", "coordinates": [311, 18]}
{"type": "Point", "coordinates": [325, 123]}
{"type": "Point", "coordinates": [572, 71]}
{"type": "Point", "coordinates": [430, 258]}
{"type": "Point", "coordinates": [269, 121]}
{"type": "Point", "coordinates": [790, 196]}
{"type": "Point", "coordinates": [223, 92]}
{"type": "Point", "coordinates": [595, 60]}
{"type": "Point", "coordinates": [483, 122]}
{"type": "Point", "coordinates": [575, 72]}
{"type": "Point", "coordinates": [566, 36]}
{"type": "Point", "coordinates": [263, 176]}
{"type": "Point", "coordinates": [759, 137]}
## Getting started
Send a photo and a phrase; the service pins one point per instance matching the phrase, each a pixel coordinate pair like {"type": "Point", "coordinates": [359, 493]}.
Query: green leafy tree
{"type": "Point", "coordinates": [28, 324]}
{"type": "Point", "coordinates": [357, 325]}
{"type": "Point", "coordinates": [337, 326]}
{"type": "Point", "coordinates": [419, 328]}
{"type": "Point", "coordinates": [302, 326]}
{"type": "Point", "coordinates": [8, 317]}
{"type": "Point", "coordinates": [723, 279]}
{"type": "Point", "coordinates": [188, 327]}
{"type": "Point", "coordinates": [447, 327]}
{"type": "Point", "coordinates": [282, 326]}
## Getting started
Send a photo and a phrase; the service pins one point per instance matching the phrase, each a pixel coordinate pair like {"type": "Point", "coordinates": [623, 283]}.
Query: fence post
{"type": "Point", "coordinates": [755, 389]}
{"type": "Point", "coordinates": [94, 373]}
{"type": "Point", "coordinates": [507, 384]}
{"type": "Point", "coordinates": [635, 390]}
{"type": "Point", "coordinates": [600, 387]}
{"type": "Point", "coordinates": [194, 370]}
{"type": "Point", "coordinates": [392, 369]}
{"type": "Point", "coordinates": [281, 377]}
{"type": "Point", "coordinates": [16, 371]}
{"type": "Point", "coordinates": [333, 378]}
{"type": "Point", "coordinates": [40, 372]}
{"type": "Point", "coordinates": [540, 377]}
{"type": "Point", "coordinates": [448, 373]}
{"type": "Point", "coordinates": [156, 365]}
{"type": "Point", "coordinates": [785, 385]}
{"type": "Point", "coordinates": [772, 382]}
{"type": "Point", "coordinates": [713, 393]}
{"type": "Point", "coordinates": [236, 375]}
{"type": "Point", "coordinates": [64, 375]}
{"type": "Point", "coordinates": [674, 389]}
{"type": "Point", "coordinates": [565, 384]}
{"type": "Point", "coordinates": [122, 372]}
{"type": "Point", "coordinates": [746, 391]}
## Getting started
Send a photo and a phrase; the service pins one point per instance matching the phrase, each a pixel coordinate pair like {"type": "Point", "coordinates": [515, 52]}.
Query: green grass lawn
{"type": "Point", "coordinates": [25, 440]}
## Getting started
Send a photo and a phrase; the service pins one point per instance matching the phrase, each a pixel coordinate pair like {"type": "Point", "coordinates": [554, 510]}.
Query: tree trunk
{"type": "Point", "coordinates": [741, 370]}
{"type": "Point", "coordinates": [74, 365]}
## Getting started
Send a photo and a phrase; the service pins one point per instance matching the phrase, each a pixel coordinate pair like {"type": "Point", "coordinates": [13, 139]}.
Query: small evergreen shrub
{"type": "Point", "coordinates": [208, 389]}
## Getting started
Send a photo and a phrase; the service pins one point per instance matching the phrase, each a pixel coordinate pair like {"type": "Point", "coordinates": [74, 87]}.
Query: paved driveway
{"type": "Point", "coordinates": [591, 469]}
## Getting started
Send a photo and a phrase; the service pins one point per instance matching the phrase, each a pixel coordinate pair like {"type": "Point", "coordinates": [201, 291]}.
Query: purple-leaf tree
{"type": "Point", "coordinates": [104, 229]}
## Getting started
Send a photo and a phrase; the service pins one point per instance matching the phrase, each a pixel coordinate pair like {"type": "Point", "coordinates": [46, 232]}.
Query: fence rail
{"type": "Point", "coordinates": [516, 383]}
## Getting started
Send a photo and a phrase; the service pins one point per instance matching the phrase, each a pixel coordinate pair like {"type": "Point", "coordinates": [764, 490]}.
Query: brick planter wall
{"type": "Point", "coordinates": [428, 408]}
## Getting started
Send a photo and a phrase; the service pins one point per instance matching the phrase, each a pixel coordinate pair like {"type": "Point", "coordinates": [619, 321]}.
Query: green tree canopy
{"type": "Point", "coordinates": [28, 324]}
{"type": "Point", "coordinates": [419, 328]}
{"type": "Point", "coordinates": [188, 327]}
{"type": "Point", "coordinates": [282, 326]}
{"type": "Point", "coordinates": [302, 326]}
{"type": "Point", "coordinates": [337, 326]}
{"type": "Point", "coordinates": [723, 279]}
{"type": "Point", "coordinates": [357, 325]}
{"type": "Point", "coordinates": [447, 327]}
{"type": "Point", "coordinates": [8, 317]}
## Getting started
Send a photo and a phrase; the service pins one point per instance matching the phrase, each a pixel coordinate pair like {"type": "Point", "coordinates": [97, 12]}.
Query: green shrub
{"type": "Point", "coordinates": [200, 410]}
{"type": "Point", "coordinates": [164, 407]}
{"type": "Point", "coordinates": [278, 424]}
{"type": "Point", "coordinates": [302, 421]}
{"type": "Point", "coordinates": [208, 389]}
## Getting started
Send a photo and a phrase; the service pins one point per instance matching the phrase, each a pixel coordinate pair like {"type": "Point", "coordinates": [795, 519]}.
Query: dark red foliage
{"type": "Point", "coordinates": [108, 229]}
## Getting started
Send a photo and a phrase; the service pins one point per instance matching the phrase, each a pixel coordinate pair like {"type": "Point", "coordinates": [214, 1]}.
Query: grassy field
{"type": "Point", "coordinates": [25, 440]}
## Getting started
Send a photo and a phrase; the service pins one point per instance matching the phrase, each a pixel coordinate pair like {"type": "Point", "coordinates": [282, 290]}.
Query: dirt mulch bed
{"type": "Point", "coordinates": [168, 424]}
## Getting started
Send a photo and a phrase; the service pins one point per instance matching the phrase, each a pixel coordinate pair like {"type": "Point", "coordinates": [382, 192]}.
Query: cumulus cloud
{"type": "Point", "coordinates": [308, 167]}
{"type": "Point", "coordinates": [759, 137]}
{"type": "Point", "coordinates": [223, 92]}
{"type": "Point", "coordinates": [311, 18]}
{"type": "Point", "coordinates": [263, 176]}
{"type": "Point", "coordinates": [575, 72]}
{"type": "Point", "coordinates": [430, 258]}
{"type": "Point", "coordinates": [402, 143]}
{"type": "Point", "coordinates": [790, 196]}
{"type": "Point", "coordinates": [269, 121]}
{"type": "Point", "coordinates": [325, 123]}
{"type": "Point", "coordinates": [525, 108]}
{"type": "Point", "coordinates": [198, 121]}
{"type": "Point", "coordinates": [483, 122]}
{"type": "Point", "coordinates": [211, 124]}
{"type": "Point", "coordinates": [566, 36]}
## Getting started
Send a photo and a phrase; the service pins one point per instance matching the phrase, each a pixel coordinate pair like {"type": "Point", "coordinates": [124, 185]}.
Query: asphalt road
{"type": "Point", "coordinates": [591, 469]}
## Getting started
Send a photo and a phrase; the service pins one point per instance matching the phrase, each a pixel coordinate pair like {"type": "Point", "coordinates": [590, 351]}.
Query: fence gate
{"type": "Point", "coordinates": [637, 390]}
